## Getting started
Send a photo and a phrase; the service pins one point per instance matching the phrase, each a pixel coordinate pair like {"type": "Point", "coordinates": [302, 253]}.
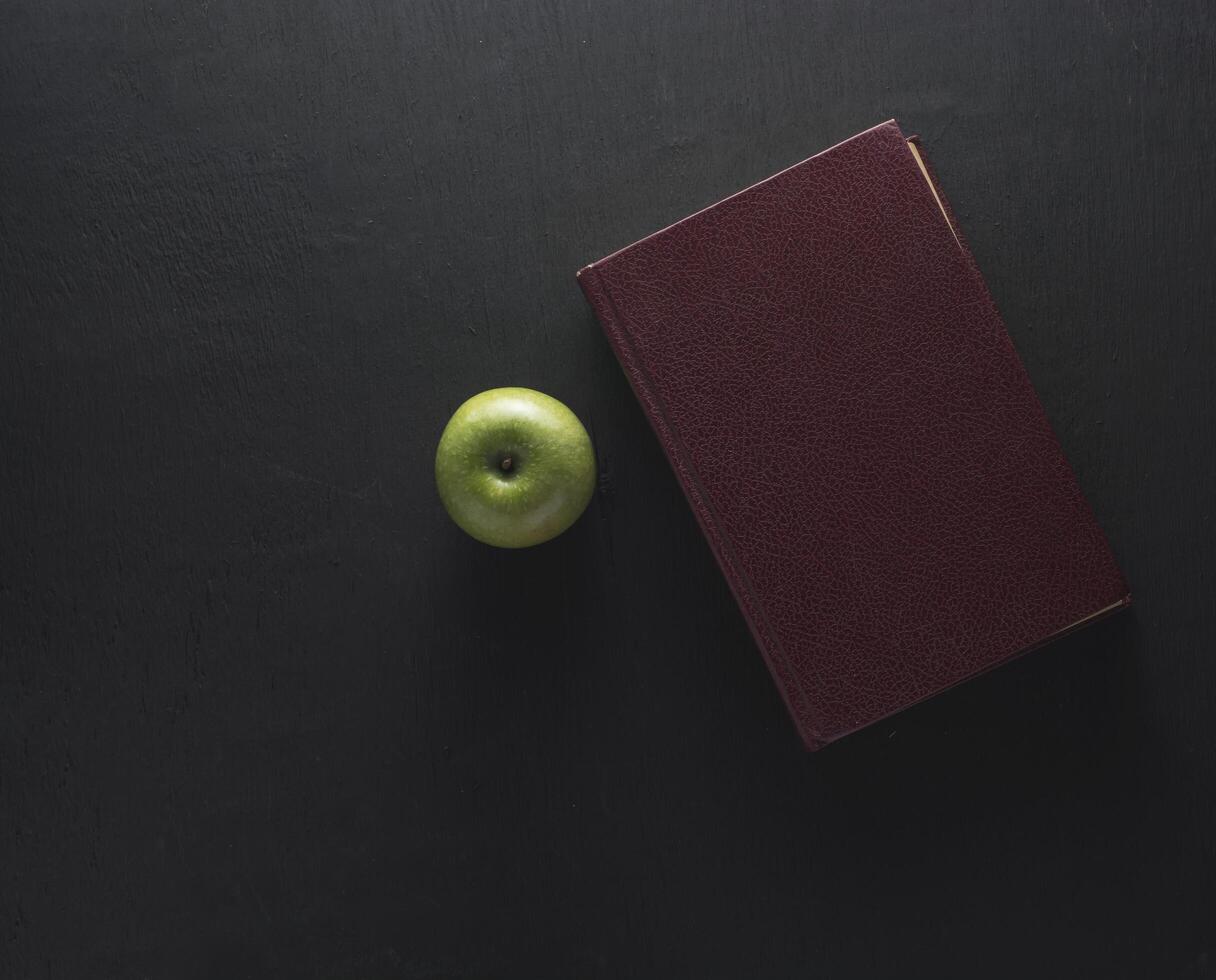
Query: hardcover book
{"type": "Point", "coordinates": [827, 373]}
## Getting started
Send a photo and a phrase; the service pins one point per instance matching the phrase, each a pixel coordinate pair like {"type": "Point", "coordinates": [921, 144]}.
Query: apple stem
{"type": "Point", "coordinates": [505, 464]}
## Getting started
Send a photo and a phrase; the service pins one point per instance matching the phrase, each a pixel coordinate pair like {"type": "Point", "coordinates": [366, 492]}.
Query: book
{"type": "Point", "coordinates": [836, 392]}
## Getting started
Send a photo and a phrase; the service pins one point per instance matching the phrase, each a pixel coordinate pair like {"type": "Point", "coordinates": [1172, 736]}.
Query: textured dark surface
{"type": "Point", "coordinates": [841, 403]}
{"type": "Point", "coordinates": [265, 713]}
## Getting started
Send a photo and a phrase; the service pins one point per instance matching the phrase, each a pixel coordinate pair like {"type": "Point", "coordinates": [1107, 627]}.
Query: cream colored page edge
{"type": "Point", "coordinates": [949, 224]}
{"type": "Point", "coordinates": [929, 180]}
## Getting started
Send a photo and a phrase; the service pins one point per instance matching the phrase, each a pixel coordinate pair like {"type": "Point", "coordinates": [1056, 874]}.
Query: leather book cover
{"type": "Point", "coordinates": [840, 401]}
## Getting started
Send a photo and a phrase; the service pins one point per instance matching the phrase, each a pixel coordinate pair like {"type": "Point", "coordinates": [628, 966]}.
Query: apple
{"type": "Point", "coordinates": [514, 467]}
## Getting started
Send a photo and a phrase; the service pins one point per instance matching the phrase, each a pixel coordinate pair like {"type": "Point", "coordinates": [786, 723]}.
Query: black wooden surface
{"type": "Point", "coordinates": [266, 713]}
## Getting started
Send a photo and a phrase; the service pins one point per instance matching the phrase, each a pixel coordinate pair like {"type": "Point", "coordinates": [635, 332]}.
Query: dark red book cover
{"type": "Point", "coordinates": [844, 410]}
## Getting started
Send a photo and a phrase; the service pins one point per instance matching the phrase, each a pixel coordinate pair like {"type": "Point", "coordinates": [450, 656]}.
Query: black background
{"type": "Point", "coordinates": [266, 713]}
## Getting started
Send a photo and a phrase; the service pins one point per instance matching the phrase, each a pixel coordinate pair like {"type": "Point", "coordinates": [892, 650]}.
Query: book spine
{"type": "Point", "coordinates": [597, 295]}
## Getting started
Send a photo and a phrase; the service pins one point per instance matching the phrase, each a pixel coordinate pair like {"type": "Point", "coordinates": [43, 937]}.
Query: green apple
{"type": "Point", "coordinates": [514, 467]}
